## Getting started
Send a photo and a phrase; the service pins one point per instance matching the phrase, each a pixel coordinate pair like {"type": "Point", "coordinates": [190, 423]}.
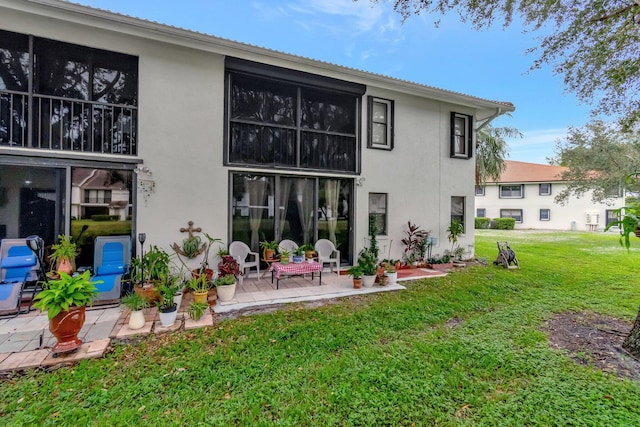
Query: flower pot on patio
{"type": "Point", "coordinates": [200, 296]}
{"type": "Point", "coordinates": [136, 319]}
{"type": "Point", "coordinates": [168, 316]}
{"type": "Point", "coordinates": [65, 327]}
{"type": "Point", "coordinates": [368, 281]}
{"type": "Point", "coordinates": [392, 277]}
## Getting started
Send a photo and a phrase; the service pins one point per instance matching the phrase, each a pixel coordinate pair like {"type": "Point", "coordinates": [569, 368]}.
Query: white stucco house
{"type": "Point", "coordinates": [526, 192]}
{"type": "Point", "coordinates": [248, 143]}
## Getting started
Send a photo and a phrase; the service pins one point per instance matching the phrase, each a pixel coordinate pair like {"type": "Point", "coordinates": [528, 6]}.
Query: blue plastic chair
{"type": "Point", "coordinates": [112, 255]}
{"type": "Point", "coordinates": [18, 265]}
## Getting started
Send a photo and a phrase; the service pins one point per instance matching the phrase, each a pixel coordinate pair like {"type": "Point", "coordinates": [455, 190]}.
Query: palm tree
{"type": "Point", "coordinates": [491, 150]}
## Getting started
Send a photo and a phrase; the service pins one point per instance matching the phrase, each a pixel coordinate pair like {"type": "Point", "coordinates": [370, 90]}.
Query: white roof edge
{"type": "Point", "coordinates": [196, 40]}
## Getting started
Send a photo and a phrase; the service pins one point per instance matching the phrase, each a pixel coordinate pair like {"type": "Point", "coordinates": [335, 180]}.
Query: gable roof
{"type": "Point", "coordinates": [124, 24]}
{"type": "Point", "coordinates": [520, 172]}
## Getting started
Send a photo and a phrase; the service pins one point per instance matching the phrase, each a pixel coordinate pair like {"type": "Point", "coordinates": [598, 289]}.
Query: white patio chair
{"type": "Point", "coordinates": [288, 245]}
{"type": "Point", "coordinates": [240, 251]}
{"type": "Point", "coordinates": [325, 250]}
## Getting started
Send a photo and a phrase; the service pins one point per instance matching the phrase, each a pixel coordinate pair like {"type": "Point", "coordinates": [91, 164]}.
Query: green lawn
{"type": "Point", "coordinates": [386, 359]}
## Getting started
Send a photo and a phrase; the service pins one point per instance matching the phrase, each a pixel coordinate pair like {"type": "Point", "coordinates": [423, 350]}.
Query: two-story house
{"type": "Point", "coordinates": [526, 192]}
{"type": "Point", "coordinates": [249, 143]}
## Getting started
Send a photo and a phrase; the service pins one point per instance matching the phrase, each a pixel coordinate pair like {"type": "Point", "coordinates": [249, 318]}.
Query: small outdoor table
{"type": "Point", "coordinates": [295, 269]}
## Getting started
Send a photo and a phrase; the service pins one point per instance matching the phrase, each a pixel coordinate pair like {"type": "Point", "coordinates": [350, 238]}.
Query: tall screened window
{"type": "Point", "coordinates": [461, 136]}
{"type": "Point", "coordinates": [457, 209]}
{"type": "Point", "coordinates": [378, 212]}
{"type": "Point", "coordinates": [62, 96]}
{"type": "Point", "coordinates": [288, 119]}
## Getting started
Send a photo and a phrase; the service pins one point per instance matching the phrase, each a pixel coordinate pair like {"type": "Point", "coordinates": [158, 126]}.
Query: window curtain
{"type": "Point", "coordinates": [285, 190]}
{"type": "Point", "coordinates": [305, 198]}
{"type": "Point", "coordinates": [331, 191]}
{"type": "Point", "coordinates": [257, 187]}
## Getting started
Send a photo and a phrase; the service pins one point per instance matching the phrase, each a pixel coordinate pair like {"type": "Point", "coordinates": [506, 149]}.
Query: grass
{"type": "Point", "coordinates": [377, 360]}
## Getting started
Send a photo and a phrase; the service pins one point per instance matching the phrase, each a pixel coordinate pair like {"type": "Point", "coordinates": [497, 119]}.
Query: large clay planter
{"type": "Point", "coordinates": [65, 327]}
{"type": "Point", "coordinates": [136, 319]}
{"type": "Point", "coordinates": [200, 296]}
{"type": "Point", "coordinates": [226, 292]}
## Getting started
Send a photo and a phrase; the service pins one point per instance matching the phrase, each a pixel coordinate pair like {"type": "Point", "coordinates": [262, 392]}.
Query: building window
{"type": "Point", "coordinates": [461, 136]}
{"type": "Point", "coordinates": [378, 212]}
{"type": "Point", "coordinates": [611, 216]}
{"type": "Point", "coordinates": [81, 99]}
{"type": "Point", "coordinates": [289, 119]}
{"type": "Point", "coordinates": [479, 190]}
{"type": "Point", "coordinates": [380, 127]}
{"type": "Point", "coordinates": [481, 213]}
{"type": "Point", "coordinates": [545, 189]}
{"type": "Point", "coordinates": [511, 191]}
{"type": "Point", "coordinates": [457, 209]}
{"type": "Point", "coordinates": [512, 213]}
{"type": "Point", "coordinates": [545, 214]}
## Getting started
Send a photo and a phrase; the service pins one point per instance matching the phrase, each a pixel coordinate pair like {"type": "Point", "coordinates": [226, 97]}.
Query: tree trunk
{"type": "Point", "coordinates": [632, 342]}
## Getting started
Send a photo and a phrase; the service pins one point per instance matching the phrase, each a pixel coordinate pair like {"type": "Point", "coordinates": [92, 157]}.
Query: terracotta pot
{"type": "Point", "coordinates": [212, 296]}
{"type": "Point", "coordinates": [65, 327]}
{"type": "Point", "coordinates": [269, 254]}
{"type": "Point", "coordinates": [200, 296]}
{"type": "Point", "coordinates": [357, 283]}
{"type": "Point", "coordinates": [65, 266]}
{"type": "Point", "coordinates": [309, 254]}
{"type": "Point", "coordinates": [148, 292]}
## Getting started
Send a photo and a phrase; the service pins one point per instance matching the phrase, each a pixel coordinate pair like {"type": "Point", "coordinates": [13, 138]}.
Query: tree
{"type": "Point", "coordinates": [600, 157]}
{"type": "Point", "coordinates": [593, 44]}
{"type": "Point", "coordinates": [491, 150]}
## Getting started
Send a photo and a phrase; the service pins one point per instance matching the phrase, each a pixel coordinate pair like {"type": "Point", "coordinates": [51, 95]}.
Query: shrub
{"type": "Point", "coordinates": [482, 223]}
{"type": "Point", "coordinates": [504, 223]}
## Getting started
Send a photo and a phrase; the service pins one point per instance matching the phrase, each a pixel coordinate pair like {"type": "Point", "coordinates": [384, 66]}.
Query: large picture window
{"type": "Point", "coordinates": [61, 96]}
{"type": "Point", "coordinates": [511, 191]}
{"type": "Point", "coordinates": [287, 119]}
{"type": "Point", "coordinates": [512, 213]}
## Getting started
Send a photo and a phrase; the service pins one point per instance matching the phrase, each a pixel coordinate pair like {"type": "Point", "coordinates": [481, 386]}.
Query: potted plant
{"type": "Point", "coordinates": [284, 255]}
{"type": "Point", "coordinates": [413, 243]}
{"type": "Point", "coordinates": [309, 250]}
{"type": "Point", "coordinates": [65, 300]}
{"type": "Point", "coordinates": [269, 249]}
{"type": "Point", "coordinates": [628, 221]}
{"type": "Point", "coordinates": [63, 255]}
{"type": "Point", "coordinates": [148, 271]}
{"type": "Point", "coordinates": [356, 272]}
{"type": "Point", "coordinates": [369, 264]}
{"type": "Point", "coordinates": [200, 287]}
{"type": "Point", "coordinates": [390, 273]}
{"type": "Point", "coordinates": [204, 265]}
{"type": "Point", "coordinates": [298, 255]}
{"type": "Point", "coordinates": [197, 309]}
{"type": "Point", "coordinates": [167, 308]}
{"type": "Point", "coordinates": [136, 304]}
{"type": "Point", "coordinates": [226, 286]}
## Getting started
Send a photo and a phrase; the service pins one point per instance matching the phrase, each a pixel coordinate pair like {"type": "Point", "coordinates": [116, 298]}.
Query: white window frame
{"type": "Point", "coordinates": [373, 121]}
{"type": "Point", "coordinates": [520, 196]}
{"type": "Point", "coordinates": [541, 192]}
{"type": "Point", "coordinates": [548, 215]}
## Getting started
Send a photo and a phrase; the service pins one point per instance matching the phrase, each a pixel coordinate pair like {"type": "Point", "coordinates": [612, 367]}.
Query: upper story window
{"type": "Point", "coordinates": [378, 212]}
{"type": "Point", "coordinates": [512, 191]}
{"type": "Point", "coordinates": [380, 123]}
{"type": "Point", "coordinates": [461, 136]}
{"type": "Point", "coordinates": [62, 96]}
{"type": "Point", "coordinates": [289, 119]}
{"type": "Point", "coordinates": [545, 189]}
{"type": "Point", "coordinates": [479, 190]}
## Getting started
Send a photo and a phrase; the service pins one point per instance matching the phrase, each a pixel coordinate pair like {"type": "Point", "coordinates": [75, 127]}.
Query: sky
{"type": "Point", "coordinates": [491, 64]}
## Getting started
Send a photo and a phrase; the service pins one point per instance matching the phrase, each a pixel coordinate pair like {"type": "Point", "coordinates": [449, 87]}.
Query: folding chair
{"type": "Point", "coordinates": [18, 266]}
{"type": "Point", "coordinates": [112, 255]}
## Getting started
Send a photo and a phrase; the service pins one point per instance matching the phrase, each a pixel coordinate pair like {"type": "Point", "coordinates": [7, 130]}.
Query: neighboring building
{"type": "Point", "coordinates": [526, 192]}
{"type": "Point", "coordinates": [248, 143]}
{"type": "Point", "coordinates": [99, 192]}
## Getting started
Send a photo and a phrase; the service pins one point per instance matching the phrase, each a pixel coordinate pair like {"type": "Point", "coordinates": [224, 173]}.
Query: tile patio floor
{"type": "Point", "coordinates": [25, 341]}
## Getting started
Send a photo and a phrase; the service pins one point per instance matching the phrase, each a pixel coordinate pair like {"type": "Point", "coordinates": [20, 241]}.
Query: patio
{"type": "Point", "coordinates": [25, 341]}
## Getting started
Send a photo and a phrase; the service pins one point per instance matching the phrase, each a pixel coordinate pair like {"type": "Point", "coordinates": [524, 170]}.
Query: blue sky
{"type": "Point", "coordinates": [490, 64]}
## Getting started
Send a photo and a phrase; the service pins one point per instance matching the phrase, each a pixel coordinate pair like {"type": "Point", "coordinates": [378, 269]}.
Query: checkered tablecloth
{"type": "Point", "coordinates": [293, 268]}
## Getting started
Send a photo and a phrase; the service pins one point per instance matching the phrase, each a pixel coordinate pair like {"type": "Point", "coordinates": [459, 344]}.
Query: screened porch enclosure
{"type": "Point", "coordinates": [302, 209]}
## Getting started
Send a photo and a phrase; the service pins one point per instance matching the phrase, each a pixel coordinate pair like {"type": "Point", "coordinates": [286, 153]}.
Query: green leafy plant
{"type": "Point", "coordinates": [273, 245]}
{"type": "Point", "coordinates": [225, 280]}
{"type": "Point", "coordinates": [168, 288]}
{"type": "Point", "coordinates": [191, 245]}
{"type": "Point", "coordinates": [368, 262]}
{"type": "Point", "coordinates": [454, 231]}
{"type": "Point", "coordinates": [134, 302]}
{"type": "Point", "coordinates": [298, 251]}
{"type": "Point", "coordinates": [355, 271]}
{"type": "Point", "coordinates": [307, 247]}
{"type": "Point", "coordinates": [414, 242]}
{"type": "Point", "coordinates": [65, 292]}
{"type": "Point", "coordinates": [197, 309]}
{"type": "Point", "coordinates": [204, 265]}
{"type": "Point", "coordinates": [64, 250]}
{"type": "Point", "coordinates": [199, 283]}
{"type": "Point", "coordinates": [628, 219]}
